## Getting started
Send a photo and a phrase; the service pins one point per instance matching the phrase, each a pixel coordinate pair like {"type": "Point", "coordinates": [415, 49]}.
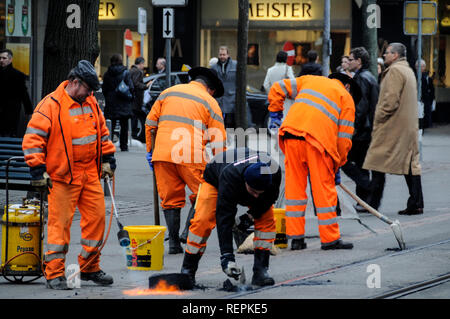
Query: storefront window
{"type": "Point", "coordinates": [290, 25]}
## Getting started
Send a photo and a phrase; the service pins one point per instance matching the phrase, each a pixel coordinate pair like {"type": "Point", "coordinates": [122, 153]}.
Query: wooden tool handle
{"type": "Point", "coordinates": [370, 209]}
{"type": "Point", "coordinates": [155, 189]}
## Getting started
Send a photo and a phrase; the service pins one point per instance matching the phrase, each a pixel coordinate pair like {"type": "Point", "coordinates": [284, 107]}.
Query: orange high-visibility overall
{"type": "Point", "coordinates": [204, 222]}
{"type": "Point", "coordinates": [315, 138]}
{"type": "Point", "coordinates": [186, 117]}
{"type": "Point", "coordinates": [70, 140]}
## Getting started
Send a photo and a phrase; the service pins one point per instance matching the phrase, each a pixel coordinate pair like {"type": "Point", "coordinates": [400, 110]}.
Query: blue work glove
{"type": "Point", "coordinates": [337, 177]}
{"type": "Point", "coordinates": [149, 160]}
{"type": "Point", "coordinates": [275, 119]}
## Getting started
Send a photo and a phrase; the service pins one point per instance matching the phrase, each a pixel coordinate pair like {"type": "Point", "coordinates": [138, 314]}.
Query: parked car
{"type": "Point", "coordinates": [256, 99]}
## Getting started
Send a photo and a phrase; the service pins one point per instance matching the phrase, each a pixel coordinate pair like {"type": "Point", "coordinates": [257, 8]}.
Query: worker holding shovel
{"type": "Point", "coordinates": [315, 138]}
{"type": "Point", "coordinates": [235, 177]}
{"type": "Point", "coordinates": [186, 117]}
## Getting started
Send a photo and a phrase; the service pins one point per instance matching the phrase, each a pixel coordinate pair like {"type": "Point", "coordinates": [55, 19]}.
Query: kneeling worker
{"type": "Point", "coordinates": [239, 176]}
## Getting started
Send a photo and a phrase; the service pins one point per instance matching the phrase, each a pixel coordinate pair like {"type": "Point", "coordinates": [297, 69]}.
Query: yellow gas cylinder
{"type": "Point", "coordinates": [21, 236]}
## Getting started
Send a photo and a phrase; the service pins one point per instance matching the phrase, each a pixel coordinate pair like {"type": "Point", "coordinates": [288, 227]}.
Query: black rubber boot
{"type": "Point", "coordinates": [298, 244]}
{"type": "Point", "coordinates": [338, 245]}
{"type": "Point", "coordinates": [184, 234]}
{"type": "Point", "coordinates": [190, 265]}
{"type": "Point", "coordinates": [99, 277]}
{"type": "Point", "coordinates": [260, 267]}
{"type": "Point", "coordinates": [172, 217]}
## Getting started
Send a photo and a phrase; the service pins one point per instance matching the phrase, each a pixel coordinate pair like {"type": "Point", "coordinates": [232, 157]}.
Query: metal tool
{"type": "Point", "coordinates": [122, 235]}
{"type": "Point", "coordinates": [155, 189]}
{"type": "Point", "coordinates": [395, 225]}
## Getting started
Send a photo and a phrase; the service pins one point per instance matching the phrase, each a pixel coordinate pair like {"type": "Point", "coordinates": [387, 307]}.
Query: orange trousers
{"type": "Point", "coordinates": [63, 198]}
{"type": "Point", "coordinates": [303, 159]}
{"type": "Point", "coordinates": [171, 181]}
{"type": "Point", "coordinates": [204, 222]}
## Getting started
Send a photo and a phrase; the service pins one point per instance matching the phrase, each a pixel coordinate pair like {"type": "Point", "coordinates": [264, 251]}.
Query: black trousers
{"type": "Point", "coordinates": [353, 168]}
{"type": "Point", "coordinates": [123, 138]}
{"type": "Point", "coordinates": [413, 182]}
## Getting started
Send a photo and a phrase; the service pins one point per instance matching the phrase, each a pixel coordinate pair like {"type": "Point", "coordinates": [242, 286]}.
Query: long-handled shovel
{"type": "Point", "coordinates": [155, 189]}
{"type": "Point", "coordinates": [395, 225]}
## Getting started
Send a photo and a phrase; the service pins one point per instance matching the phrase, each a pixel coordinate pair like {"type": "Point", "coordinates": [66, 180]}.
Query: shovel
{"type": "Point", "coordinates": [395, 225]}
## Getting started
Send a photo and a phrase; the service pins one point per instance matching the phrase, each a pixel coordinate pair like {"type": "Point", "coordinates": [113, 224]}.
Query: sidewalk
{"type": "Point", "coordinates": [134, 199]}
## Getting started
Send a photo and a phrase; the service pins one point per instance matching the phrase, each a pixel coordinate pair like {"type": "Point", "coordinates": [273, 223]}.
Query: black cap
{"type": "Point", "coordinates": [86, 72]}
{"type": "Point", "coordinates": [211, 75]}
{"type": "Point", "coordinates": [355, 90]}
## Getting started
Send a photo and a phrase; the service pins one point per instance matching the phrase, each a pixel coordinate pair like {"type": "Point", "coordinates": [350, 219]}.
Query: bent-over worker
{"type": "Point", "coordinates": [235, 177]}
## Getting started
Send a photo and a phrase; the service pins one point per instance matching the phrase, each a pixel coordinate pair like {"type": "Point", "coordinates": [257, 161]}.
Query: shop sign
{"type": "Point", "coordinates": [281, 10]}
{"type": "Point", "coordinates": [18, 18]}
{"type": "Point", "coordinates": [107, 10]}
{"type": "Point", "coordinates": [124, 11]}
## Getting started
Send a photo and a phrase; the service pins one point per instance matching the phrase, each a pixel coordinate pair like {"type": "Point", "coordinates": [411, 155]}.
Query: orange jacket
{"type": "Point", "coordinates": [186, 117]}
{"type": "Point", "coordinates": [323, 112]}
{"type": "Point", "coordinates": [48, 138]}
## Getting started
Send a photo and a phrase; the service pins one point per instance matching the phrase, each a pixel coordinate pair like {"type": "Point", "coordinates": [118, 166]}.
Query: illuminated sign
{"type": "Point", "coordinates": [107, 10]}
{"type": "Point", "coordinates": [281, 10]}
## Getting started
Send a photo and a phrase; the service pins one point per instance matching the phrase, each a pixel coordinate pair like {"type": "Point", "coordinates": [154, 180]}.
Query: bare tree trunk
{"type": "Point", "coordinates": [70, 36]}
{"type": "Point", "coordinates": [241, 71]}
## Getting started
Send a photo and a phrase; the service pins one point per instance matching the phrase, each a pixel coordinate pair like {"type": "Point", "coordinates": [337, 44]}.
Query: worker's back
{"type": "Point", "coordinates": [324, 110]}
{"type": "Point", "coordinates": [187, 117]}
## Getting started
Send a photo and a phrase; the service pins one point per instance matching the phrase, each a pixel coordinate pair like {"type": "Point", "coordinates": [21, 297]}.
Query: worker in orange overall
{"type": "Point", "coordinates": [315, 137]}
{"type": "Point", "coordinates": [186, 117]}
{"type": "Point", "coordinates": [236, 177]}
{"type": "Point", "coordinates": [67, 147]}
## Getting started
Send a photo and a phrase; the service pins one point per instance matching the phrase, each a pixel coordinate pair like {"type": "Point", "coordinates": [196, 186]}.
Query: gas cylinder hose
{"type": "Point", "coordinates": [91, 258]}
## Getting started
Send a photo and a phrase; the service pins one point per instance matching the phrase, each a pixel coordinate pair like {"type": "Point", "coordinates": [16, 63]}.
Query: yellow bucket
{"type": "Point", "coordinates": [146, 250]}
{"type": "Point", "coordinates": [280, 222]}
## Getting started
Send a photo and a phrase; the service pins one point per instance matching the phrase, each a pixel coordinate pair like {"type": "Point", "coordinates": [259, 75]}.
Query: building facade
{"type": "Point", "coordinates": [204, 25]}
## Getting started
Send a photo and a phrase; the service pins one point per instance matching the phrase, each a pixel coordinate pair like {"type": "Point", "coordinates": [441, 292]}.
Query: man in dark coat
{"type": "Point", "coordinates": [14, 94]}
{"type": "Point", "coordinates": [364, 113]}
{"type": "Point", "coordinates": [137, 76]}
{"type": "Point", "coordinates": [427, 95]}
{"type": "Point", "coordinates": [116, 106]}
{"type": "Point", "coordinates": [311, 67]}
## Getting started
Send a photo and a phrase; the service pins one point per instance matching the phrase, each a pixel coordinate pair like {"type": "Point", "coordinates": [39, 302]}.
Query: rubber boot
{"type": "Point", "coordinates": [260, 267]}
{"type": "Point", "coordinates": [298, 244]}
{"type": "Point", "coordinates": [184, 234]}
{"type": "Point", "coordinates": [190, 265]}
{"type": "Point", "coordinates": [172, 217]}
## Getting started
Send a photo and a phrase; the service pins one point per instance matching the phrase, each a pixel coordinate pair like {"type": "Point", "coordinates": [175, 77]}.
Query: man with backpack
{"type": "Point", "coordinates": [118, 106]}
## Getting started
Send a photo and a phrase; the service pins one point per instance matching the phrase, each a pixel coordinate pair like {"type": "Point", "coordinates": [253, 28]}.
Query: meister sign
{"type": "Point", "coordinates": [281, 10]}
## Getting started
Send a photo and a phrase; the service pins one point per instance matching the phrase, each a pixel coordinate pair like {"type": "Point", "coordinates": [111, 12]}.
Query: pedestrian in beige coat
{"type": "Point", "coordinates": [394, 148]}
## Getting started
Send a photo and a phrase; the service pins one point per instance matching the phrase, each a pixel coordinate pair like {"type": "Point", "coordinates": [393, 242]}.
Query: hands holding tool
{"type": "Point", "coordinates": [337, 177]}
{"type": "Point", "coordinates": [149, 159]}
{"type": "Point", "coordinates": [45, 181]}
{"type": "Point", "coordinates": [229, 266]}
{"type": "Point", "coordinates": [275, 119]}
{"type": "Point", "coordinates": [108, 166]}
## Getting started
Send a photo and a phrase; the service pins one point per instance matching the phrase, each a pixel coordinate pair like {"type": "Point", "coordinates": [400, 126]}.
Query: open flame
{"type": "Point", "coordinates": [162, 288]}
